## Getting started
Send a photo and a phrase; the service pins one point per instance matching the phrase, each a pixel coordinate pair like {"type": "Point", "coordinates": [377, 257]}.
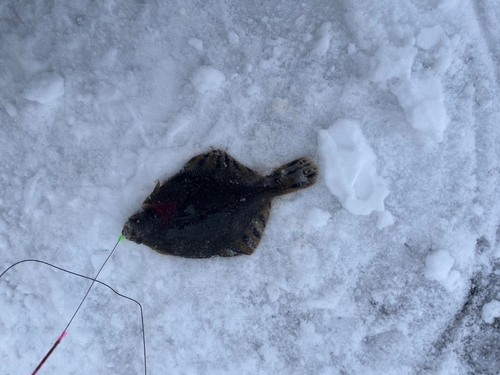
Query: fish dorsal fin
{"type": "Point", "coordinates": [151, 198]}
{"type": "Point", "coordinates": [216, 161]}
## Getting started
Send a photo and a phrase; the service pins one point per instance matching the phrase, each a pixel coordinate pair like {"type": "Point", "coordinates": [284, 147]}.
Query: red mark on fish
{"type": "Point", "coordinates": [165, 209]}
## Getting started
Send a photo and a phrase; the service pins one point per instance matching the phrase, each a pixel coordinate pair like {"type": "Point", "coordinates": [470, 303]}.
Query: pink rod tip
{"type": "Point", "coordinates": [62, 336]}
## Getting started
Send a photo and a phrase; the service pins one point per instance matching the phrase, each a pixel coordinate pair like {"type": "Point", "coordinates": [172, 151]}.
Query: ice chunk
{"type": "Point", "coordinates": [451, 279]}
{"type": "Point", "coordinates": [491, 310]}
{"type": "Point", "coordinates": [496, 253]}
{"type": "Point", "coordinates": [206, 79]}
{"type": "Point", "coordinates": [429, 37]}
{"type": "Point", "coordinates": [438, 265]}
{"type": "Point", "coordinates": [300, 21]}
{"type": "Point", "coordinates": [233, 37]}
{"type": "Point", "coordinates": [253, 90]}
{"type": "Point", "coordinates": [306, 37]}
{"type": "Point", "coordinates": [323, 43]}
{"type": "Point", "coordinates": [32, 193]}
{"type": "Point", "coordinates": [349, 170]}
{"type": "Point", "coordinates": [196, 44]}
{"type": "Point", "coordinates": [477, 209]}
{"type": "Point", "coordinates": [44, 88]}
{"type": "Point", "coordinates": [391, 62]}
{"type": "Point", "coordinates": [423, 103]}
{"type": "Point", "coordinates": [11, 109]}
{"type": "Point", "coordinates": [385, 219]}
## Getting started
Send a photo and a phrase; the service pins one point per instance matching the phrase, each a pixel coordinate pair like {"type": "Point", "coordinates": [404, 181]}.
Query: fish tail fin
{"type": "Point", "coordinates": [296, 175]}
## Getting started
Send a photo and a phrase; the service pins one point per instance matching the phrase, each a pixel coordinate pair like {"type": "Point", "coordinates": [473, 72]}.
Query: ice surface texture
{"type": "Point", "coordinates": [99, 99]}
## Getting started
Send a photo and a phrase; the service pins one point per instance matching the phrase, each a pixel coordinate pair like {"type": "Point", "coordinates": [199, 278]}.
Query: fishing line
{"type": "Point", "coordinates": [94, 280]}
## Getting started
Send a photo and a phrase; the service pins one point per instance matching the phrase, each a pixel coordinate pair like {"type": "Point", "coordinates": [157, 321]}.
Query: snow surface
{"type": "Point", "coordinates": [98, 99]}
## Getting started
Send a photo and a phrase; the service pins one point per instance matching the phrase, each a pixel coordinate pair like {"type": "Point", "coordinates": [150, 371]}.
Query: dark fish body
{"type": "Point", "coordinates": [213, 206]}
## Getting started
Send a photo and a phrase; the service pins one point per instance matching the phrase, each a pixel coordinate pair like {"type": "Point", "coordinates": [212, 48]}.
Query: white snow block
{"type": "Point", "coordinates": [429, 37]}
{"type": "Point", "coordinates": [10, 109]}
{"type": "Point", "coordinates": [423, 103]}
{"type": "Point", "coordinates": [491, 310]}
{"type": "Point", "coordinates": [206, 79]}
{"type": "Point", "coordinates": [438, 265]}
{"type": "Point", "coordinates": [391, 62]}
{"type": "Point", "coordinates": [196, 44]}
{"type": "Point", "coordinates": [44, 88]}
{"type": "Point", "coordinates": [321, 46]}
{"type": "Point", "coordinates": [349, 168]}
{"type": "Point", "coordinates": [384, 219]}
{"type": "Point", "coordinates": [233, 37]}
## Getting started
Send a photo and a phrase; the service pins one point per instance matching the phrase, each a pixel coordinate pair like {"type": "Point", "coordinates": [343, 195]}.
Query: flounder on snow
{"type": "Point", "coordinates": [214, 206]}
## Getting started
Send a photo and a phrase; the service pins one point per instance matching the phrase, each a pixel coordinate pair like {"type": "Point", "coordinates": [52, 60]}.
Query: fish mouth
{"type": "Point", "coordinates": [130, 233]}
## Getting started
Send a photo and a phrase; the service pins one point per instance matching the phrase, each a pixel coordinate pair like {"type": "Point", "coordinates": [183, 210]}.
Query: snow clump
{"type": "Point", "coordinates": [421, 98]}
{"type": "Point", "coordinates": [391, 62]}
{"type": "Point", "coordinates": [349, 168]}
{"type": "Point", "coordinates": [44, 88]}
{"type": "Point", "coordinates": [206, 79]}
{"type": "Point", "coordinates": [384, 219]}
{"type": "Point", "coordinates": [423, 103]}
{"type": "Point", "coordinates": [315, 218]}
{"type": "Point", "coordinates": [491, 310]}
{"type": "Point", "coordinates": [438, 265]}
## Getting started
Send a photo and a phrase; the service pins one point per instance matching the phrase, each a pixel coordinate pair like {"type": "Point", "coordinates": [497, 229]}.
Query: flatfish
{"type": "Point", "coordinates": [215, 206]}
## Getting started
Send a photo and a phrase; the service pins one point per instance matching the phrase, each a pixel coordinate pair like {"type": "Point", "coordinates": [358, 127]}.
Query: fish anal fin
{"type": "Point", "coordinates": [229, 252]}
{"type": "Point", "coordinates": [251, 237]}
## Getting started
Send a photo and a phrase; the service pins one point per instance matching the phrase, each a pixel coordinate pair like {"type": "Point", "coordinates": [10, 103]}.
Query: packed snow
{"type": "Point", "coordinates": [44, 88]}
{"type": "Point", "coordinates": [491, 310]}
{"type": "Point", "coordinates": [438, 265]}
{"type": "Point", "coordinates": [423, 103]}
{"type": "Point", "coordinates": [349, 167]}
{"type": "Point", "coordinates": [207, 78]}
{"type": "Point", "coordinates": [389, 264]}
